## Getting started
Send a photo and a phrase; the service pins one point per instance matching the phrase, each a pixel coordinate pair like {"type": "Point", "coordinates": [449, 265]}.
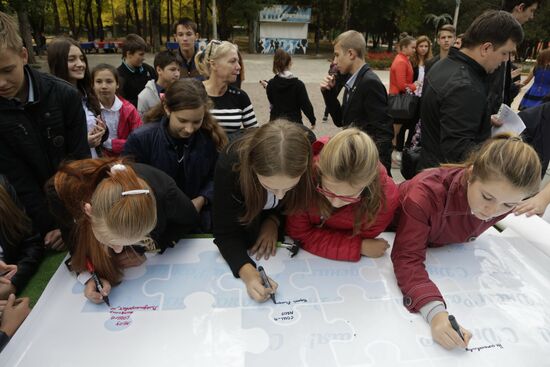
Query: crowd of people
{"type": "Point", "coordinates": [114, 162]}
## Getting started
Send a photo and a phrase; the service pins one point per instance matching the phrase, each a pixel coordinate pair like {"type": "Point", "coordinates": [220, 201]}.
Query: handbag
{"type": "Point", "coordinates": [403, 106]}
{"type": "Point", "coordinates": [411, 154]}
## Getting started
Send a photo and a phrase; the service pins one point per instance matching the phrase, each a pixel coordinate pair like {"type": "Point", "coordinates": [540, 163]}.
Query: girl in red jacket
{"type": "Point", "coordinates": [120, 116]}
{"type": "Point", "coordinates": [355, 200]}
{"type": "Point", "coordinates": [402, 81]}
{"type": "Point", "coordinates": [455, 204]}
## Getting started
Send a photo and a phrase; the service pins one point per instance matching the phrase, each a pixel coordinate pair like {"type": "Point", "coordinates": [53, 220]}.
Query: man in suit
{"type": "Point", "coordinates": [365, 101]}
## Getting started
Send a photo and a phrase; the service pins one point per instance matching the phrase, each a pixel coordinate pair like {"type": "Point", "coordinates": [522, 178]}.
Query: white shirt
{"type": "Point", "coordinates": [111, 117]}
{"type": "Point", "coordinates": [271, 201]}
{"type": "Point", "coordinates": [421, 71]}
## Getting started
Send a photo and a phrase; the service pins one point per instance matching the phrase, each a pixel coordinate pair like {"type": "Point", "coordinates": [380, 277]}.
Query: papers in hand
{"type": "Point", "coordinates": [511, 122]}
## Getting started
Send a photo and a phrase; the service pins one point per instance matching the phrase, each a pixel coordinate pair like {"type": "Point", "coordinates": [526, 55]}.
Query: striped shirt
{"type": "Point", "coordinates": [234, 110]}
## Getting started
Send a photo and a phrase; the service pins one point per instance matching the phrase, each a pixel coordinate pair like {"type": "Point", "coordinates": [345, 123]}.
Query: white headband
{"type": "Point", "coordinates": [135, 192]}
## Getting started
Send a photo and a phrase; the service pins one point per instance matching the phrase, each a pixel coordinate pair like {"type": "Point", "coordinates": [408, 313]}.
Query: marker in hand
{"type": "Point", "coordinates": [97, 281]}
{"type": "Point", "coordinates": [265, 280]}
{"type": "Point", "coordinates": [455, 326]}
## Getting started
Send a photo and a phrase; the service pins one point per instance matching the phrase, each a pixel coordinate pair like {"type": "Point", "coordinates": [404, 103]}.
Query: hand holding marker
{"type": "Point", "coordinates": [97, 281]}
{"type": "Point", "coordinates": [265, 280]}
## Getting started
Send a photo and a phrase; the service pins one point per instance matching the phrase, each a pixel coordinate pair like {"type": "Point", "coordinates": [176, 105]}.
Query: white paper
{"type": "Point", "coordinates": [511, 122]}
{"type": "Point", "coordinates": [185, 308]}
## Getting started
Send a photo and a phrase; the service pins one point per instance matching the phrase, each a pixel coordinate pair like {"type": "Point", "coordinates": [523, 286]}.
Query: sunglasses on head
{"type": "Point", "coordinates": [212, 43]}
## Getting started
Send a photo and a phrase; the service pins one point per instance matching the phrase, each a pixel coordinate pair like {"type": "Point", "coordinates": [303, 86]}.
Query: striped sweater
{"type": "Point", "coordinates": [234, 110]}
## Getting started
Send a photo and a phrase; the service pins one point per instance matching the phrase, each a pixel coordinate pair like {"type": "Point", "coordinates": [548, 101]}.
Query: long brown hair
{"type": "Point", "coordinates": [188, 94]}
{"type": "Point", "coordinates": [280, 147]}
{"type": "Point", "coordinates": [505, 156]}
{"type": "Point", "coordinates": [14, 223]}
{"type": "Point", "coordinates": [58, 57]}
{"type": "Point", "coordinates": [415, 59]}
{"type": "Point", "coordinates": [351, 156]}
{"type": "Point", "coordinates": [101, 183]}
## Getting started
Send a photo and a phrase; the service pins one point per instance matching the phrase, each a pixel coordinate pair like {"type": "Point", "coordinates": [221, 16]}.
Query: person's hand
{"type": "Point", "coordinates": [94, 138]}
{"type": "Point", "coordinates": [8, 270]}
{"type": "Point", "coordinates": [328, 82]}
{"type": "Point", "coordinates": [444, 334]}
{"type": "Point", "coordinates": [374, 247]}
{"type": "Point", "coordinates": [14, 312]}
{"type": "Point", "coordinates": [6, 289]}
{"type": "Point", "coordinates": [254, 285]}
{"type": "Point", "coordinates": [199, 202]}
{"type": "Point", "coordinates": [266, 244]}
{"type": "Point", "coordinates": [129, 258]}
{"type": "Point", "coordinates": [535, 205]}
{"type": "Point", "coordinates": [264, 83]}
{"type": "Point", "coordinates": [496, 121]}
{"type": "Point", "coordinates": [90, 290]}
{"type": "Point", "coordinates": [53, 240]}
{"type": "Point", "coordinates": [515, 73]}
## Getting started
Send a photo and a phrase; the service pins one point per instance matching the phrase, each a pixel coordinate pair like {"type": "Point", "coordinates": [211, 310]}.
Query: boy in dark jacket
{"type": "Point", "coordinates": [42, 124]}
{"type": "Point", "coordinates": [133, 72]}
{"type": "Point", "coordinates": [365, 103]}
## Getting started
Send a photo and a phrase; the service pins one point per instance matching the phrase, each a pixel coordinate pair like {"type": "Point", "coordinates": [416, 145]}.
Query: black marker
{"type": "Point", "coordinates": [455, 326]}
{"type": "Point", "coordinates": [265, 280]}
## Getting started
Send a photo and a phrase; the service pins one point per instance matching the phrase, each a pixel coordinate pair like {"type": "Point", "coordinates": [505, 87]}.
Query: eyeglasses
{"type": "Point", "coordinates": [331, 195]}
{"type": "Point", "coordinates": [212, 43]}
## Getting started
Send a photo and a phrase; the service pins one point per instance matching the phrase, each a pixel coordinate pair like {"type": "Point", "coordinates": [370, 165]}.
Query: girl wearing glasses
{"type": "Point", "coordinates": [355, 200]}
{"type": "Point", "coordinates": [261, 175]}
{"type": "Point", "coordinates": [111, 212]}
{"type": "Point", "coordinates": [219, 64]}
{"type": "Point", "coordinates": [455, 204]}
{"type": "Point", "coordinates": [184, 141]}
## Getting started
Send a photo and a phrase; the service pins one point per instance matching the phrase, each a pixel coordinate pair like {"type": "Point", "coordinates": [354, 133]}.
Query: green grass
{"type": "Point", "coordinates": [38, 282]}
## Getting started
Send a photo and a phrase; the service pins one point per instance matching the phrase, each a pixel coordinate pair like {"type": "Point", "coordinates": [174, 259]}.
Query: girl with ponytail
{"type": "Point", "coordinates": [111, 212]}
{"type": "Point", "coordinates": [455, 204]}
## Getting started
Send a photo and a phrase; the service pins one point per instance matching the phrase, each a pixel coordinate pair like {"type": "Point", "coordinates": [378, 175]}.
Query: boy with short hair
{"type": "Point", "coordinates": [365, 103]}
{"type": "Point", "coordinates": [133, 72]}
{"type": "Point", "coordinates": [186, 34]}
{"type": "Point", "coordinates": [168, 71]}
{"type": "Point", "coordinates": [446, 37]}
{"type": "Point", "coordinates": [42, 124]}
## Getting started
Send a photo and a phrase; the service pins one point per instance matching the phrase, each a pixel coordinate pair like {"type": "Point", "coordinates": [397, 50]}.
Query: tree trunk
{"type": "Point", "coordinates": [203, 30]}
{"type": "Point", "coordinates": [136, 17]}
{"type": "Point", "coordinates": [346, 14]}
{"type": "Point", "coordinates": [168, 22]}
{"type": "Point", "coordinates": [70, 18]}
{"type": "Point", "coordinates": [89, 21]}
{"type": "Point", "coordinates": [146, 20]}
{"type": "Point", "coordinates": [25, 30]}
{"type": "Point", "coordinates": [195, 11]}
{"type": "Point", "coordinates": [100, 32]}
{"type": "Point", "coordinates": [56, 22]}
{"type": "Point", "coordinates": [128, 17]}
{"type": "Point", "coordinates": [154, 15]}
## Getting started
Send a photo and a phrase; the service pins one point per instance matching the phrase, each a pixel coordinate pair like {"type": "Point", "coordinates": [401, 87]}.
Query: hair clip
{"type": "Point", "coordinates": [117, 167]}
{"type": "Point", "coordinates": [135, 192]}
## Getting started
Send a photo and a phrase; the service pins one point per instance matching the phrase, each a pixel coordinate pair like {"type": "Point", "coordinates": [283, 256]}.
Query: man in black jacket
{"type": "Point", "coordinates": [365, 102]}
{"type": "Point", "coordinates": [454, 112]}
{"type": "Point", "coordinates": [42, 124]}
